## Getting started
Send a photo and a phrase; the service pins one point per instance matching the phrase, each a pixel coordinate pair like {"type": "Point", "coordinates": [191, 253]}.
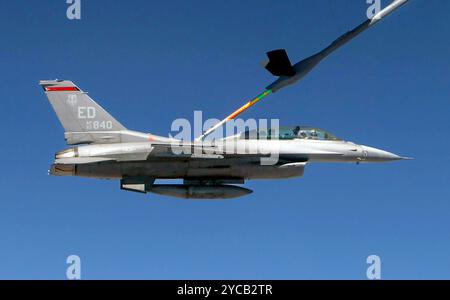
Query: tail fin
{"type": "Point", "coordinates": [84, 121]}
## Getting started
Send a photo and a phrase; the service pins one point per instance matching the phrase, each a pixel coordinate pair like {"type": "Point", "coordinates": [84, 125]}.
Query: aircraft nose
{"type": "Point", "coordinates": [377, 155]}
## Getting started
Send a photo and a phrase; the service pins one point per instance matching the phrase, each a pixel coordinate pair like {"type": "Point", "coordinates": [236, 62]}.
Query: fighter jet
{"type": "Point", "coordinates": [104, 148]}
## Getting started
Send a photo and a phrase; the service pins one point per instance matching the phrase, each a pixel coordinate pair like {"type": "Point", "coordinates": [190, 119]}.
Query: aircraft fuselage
{"type": "Point", "coordinates": [244, 159]}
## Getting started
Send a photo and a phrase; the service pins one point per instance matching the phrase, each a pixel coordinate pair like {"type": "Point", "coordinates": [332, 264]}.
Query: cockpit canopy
{"type": "Point", "coordinates": [290, 133]}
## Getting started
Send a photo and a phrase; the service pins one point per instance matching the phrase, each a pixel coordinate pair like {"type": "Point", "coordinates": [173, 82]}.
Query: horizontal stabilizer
{"type": "Point", "coordinates": [279, 63]}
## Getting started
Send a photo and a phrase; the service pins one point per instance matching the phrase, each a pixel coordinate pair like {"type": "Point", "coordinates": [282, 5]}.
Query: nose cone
{"type": "Point", "coordinates": [377, 155]}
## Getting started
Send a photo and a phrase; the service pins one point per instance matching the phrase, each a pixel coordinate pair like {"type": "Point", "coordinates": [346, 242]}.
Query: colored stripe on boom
{"type": "Point", "coordinates": [248, 105]}
{"type": "Point", "coordinates": [234, 114]}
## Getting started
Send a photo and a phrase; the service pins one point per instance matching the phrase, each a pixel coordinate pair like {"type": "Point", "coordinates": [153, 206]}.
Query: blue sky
{"type": "Point", "coordinates": [150, 62]}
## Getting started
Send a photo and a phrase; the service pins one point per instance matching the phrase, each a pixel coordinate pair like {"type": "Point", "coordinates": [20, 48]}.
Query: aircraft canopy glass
{"type": "Point", "coordinates": [290, 133]}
